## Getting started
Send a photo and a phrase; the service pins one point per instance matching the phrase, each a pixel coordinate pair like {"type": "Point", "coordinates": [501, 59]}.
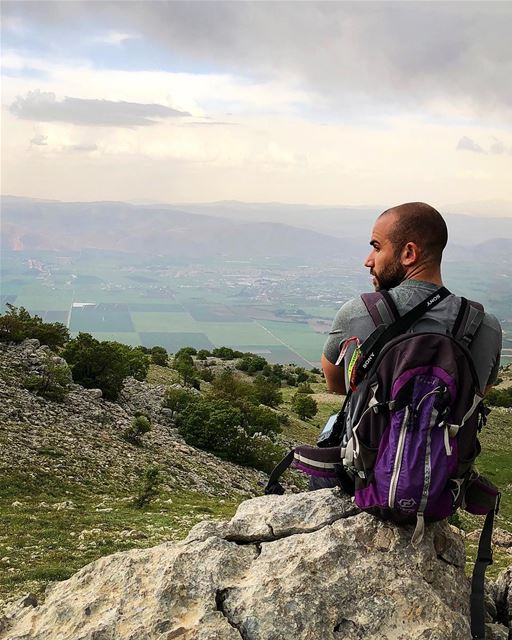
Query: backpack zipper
{"type": "Point", "coordinates": [398, 459]}
{"type": "Point", "coordinates": [417, 536]}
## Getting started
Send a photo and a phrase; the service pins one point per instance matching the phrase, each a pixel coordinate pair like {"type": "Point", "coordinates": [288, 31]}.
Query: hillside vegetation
{"type": "Point", "coordinates": [82, 476]}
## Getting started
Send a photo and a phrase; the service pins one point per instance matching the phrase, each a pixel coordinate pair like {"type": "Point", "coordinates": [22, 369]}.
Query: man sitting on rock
{"type": "Point", "coordinates": [407, 244]}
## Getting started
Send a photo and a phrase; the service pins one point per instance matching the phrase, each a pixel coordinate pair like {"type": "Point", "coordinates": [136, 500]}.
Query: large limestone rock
{"type": "Point", "coordinates": [303, 566]}
{"type": "Point", "coordinates": [503, 593]}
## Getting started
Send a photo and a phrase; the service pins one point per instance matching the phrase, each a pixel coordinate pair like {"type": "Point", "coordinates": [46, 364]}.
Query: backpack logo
{"type": "Point", "coordinates": [407, 504]}
{"type": "Point", "coordinates": [432, 300]}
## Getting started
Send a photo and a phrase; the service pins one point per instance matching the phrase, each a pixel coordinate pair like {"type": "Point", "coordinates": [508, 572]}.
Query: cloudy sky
{"type": "Point", "coordinates": [313, 102]}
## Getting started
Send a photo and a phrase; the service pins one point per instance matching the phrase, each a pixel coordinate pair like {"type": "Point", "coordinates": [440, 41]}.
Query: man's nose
{"type": "Point", "coordinates": [369, 262]}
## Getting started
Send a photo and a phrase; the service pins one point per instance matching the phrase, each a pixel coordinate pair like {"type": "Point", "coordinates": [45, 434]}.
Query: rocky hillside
{"type": "Point", "coordinates": [299, 566]}
{"type": "Point", "coordinates": [67, 477]}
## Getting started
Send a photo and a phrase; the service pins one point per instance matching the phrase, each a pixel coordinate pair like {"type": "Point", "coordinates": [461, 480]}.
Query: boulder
{"type": "Point", "coordinates": [306, 566]}
{"type": "Point", "coordinates": [503, 594]}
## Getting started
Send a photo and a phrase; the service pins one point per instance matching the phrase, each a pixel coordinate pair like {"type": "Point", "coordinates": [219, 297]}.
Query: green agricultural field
{"type": "Point", "coordinates": [298, 336]}
{"type": "Point", "coordinates": [176, 321]}
{"type": "Point", "coordinates": [130, 338]}
{"type": "Point", "coordinates": [40, 297]}
{"type": "Point", "coordinates": [175, 341]}
{"type": "Point", "coordinates": [237, 333]}
{"type": "Point", "coordinates": [102, 317]}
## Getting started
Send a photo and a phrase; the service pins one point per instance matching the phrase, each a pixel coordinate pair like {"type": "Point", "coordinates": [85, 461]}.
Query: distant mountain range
{"type": "Point", "coordinates": [224, 229]}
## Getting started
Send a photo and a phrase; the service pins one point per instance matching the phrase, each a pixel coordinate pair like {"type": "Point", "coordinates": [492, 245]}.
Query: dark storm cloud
{"type": "Point", "coordinates": [44, 107]}
{"type": "Point", "coordinates": [403, 54]}
{"type": "Point", "coordinates": [466, 144]}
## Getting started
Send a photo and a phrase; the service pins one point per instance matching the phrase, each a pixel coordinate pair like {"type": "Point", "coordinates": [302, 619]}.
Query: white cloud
{"type": "Point", "coordinates": [114, 38]}
{"type": "Point", "coordinates": [43, 106]}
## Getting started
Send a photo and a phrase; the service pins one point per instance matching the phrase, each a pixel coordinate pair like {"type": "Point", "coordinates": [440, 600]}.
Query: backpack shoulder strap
{"type": "Point", "coordinates": [468, 320]}
{"type": "Point", "coordinates": [381, 307]}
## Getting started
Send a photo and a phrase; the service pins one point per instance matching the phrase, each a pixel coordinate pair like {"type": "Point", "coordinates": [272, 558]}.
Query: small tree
{"type": "Point", "coordinates": [202, 354]}
{"type": "Point", "coordinates": [267, 392]}
{"type": "Point", "coordinates": [185, 351]}
{"type": "Point", "coordinates": [177, 399]}
{"type": "Point", "coordinates": [148, 486]}
{"type": "Point", "coordinates": [139, 426]}
{"type": "Point", "coordinates": [304, 405]}
{"type": "Point", "coordinates": [262, 420]}
{"type": "Point", "coordinates": [304, 387]}
{"type": "Point", "coordinates": [17, 324]}
{"type": "Point", "coordinates": [51, 383]}
{"type": "Point", "coordinates": [159, 356]}
{"type": "Point", "coordinates": [104, 364]}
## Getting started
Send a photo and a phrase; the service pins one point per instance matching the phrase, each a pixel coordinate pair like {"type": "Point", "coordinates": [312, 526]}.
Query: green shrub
{"type": "Point", "coordinates": [215, 425]}
{"type": "Point", "coordinates": [225, 353]}
{"type": "Point", "coordinates": [267, 392]}
{"type": "Point", "coordinates": [159, 356]}
{"type": "Point", "coordinates": [228, 386]}
{"type": "Point", "coordinates": [304, 387]}
{"type": "Point", "coordinates": [251, 363]}
{"type": "Point", "coordinates": [211, 424]}
{"type": "Point", "coordinates": [304, 405]}
{"type": "Point", "coordinates": [185, 351]}
{"type": "Point", "coordinates": [177, 399]}
{"type": "Point", "coordinates": [260, 419]}
{"type": "Point", "coordinates": [206, 375]}
{"type": "Point", "coordinates": [148, 487]}
{"type": "Point", "coordinates": [499, 397]}
{"type": "Point", "coordinates": [104, 365]}
{"type": "Point", "coordinates": [139, 426]}
{"type": "Point", "coordinates": [202, 354]}
{"type": "Point", "coordinates": [17, 324]}
{"type": "Point", "coordinates": [51, 383]}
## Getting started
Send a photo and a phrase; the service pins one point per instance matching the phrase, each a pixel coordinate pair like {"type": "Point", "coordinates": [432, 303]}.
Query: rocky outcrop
{"type": "Point", "coordinates": [503, 595]}
{"type": "Point", "coordinates": [305, 566]}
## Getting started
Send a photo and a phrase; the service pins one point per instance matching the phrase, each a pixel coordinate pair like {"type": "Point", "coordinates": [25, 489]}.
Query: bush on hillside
{"type": "Point", "coordinates": [185, 351]}
{"type": "Point", "coordinates": [184, 365]}
{"type": "Point", "coordinates": [206, 375]}
{"type": "Point", "coordinates": [104, 365]}
{"type": "Point", "coordinates": [52, 382]}
{"type": "Point", "coordinates": [159, 356]}
{"type": "Point", "coordinates": [304, 405]}
{"type": "Point", "coordinates": [202, 354]}
{"type": "Point", "coordinates": [267, 392]}
{"type": "Point", "coordinates": [251, 364]}
{"type": "Point", "coordinates": [261, 419]}
{"type": "Point", "coordinates": [139, 426]}
{"type": "Point", "coordinates": [148, 486]}
{"type": "Point", "coordinates": [17, 324]}
{"type": "Point", "coordinates": [211, 424]}
{"type": "Point", "coordinates": [177, 399]}
{"type": "Point", "coordinates": [215, 425]}
{"type": "Point", "coordinates": [499, 397]}
{"type": "Point", "coordinates": [225, 353]}
{"type": "Point", "coordinates": [304, 387]}
{"type": "Point", "coordinates": [228, 386]}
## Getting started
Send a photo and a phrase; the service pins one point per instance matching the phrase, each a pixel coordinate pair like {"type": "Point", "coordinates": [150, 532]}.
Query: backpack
{"type": "Point", "coordinates": [404, 443]}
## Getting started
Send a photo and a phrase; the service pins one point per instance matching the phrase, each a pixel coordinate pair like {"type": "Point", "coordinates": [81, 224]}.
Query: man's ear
{"type": "Point", "coordinates": [410, 254]}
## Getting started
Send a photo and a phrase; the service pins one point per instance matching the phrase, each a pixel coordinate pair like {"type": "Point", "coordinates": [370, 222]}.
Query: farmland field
{"type": "Point", "coordinates": [281, 311]}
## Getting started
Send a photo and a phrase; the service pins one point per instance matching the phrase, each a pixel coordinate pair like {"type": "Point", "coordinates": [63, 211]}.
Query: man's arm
{"type": "Point", "coordinates": [334, 376]}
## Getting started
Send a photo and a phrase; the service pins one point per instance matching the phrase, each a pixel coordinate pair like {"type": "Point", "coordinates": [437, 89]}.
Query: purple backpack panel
{"type": "Point", "coordinates": [418, 430]}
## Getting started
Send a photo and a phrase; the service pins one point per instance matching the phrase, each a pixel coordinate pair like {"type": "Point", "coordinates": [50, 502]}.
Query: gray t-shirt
{"type": "Point", "coordinates": [353, 320]}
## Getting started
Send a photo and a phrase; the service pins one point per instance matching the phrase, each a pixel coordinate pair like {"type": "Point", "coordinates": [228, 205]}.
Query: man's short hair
{"type": "Point", "coordinates": [420, 223]}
